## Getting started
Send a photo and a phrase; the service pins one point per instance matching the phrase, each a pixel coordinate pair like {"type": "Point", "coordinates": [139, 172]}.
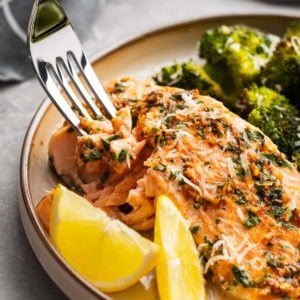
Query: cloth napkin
{"type": "Point", "coordinates": [15, 64]}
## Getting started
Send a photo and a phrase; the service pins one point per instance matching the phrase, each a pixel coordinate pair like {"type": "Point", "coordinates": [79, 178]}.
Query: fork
{"type": "Point", "coordinates": [62, 66]}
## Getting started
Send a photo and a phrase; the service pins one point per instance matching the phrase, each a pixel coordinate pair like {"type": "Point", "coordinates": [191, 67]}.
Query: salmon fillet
{"type": "Point", "coordinates": [238, 193]}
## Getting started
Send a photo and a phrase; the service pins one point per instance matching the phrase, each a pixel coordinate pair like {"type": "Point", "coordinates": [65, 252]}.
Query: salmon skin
{"type": "Point", "coordinates": [238, 193]}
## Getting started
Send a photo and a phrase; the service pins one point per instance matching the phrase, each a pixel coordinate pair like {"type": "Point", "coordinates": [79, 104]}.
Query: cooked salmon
{"type": "Point", "coordinates": [238, 193]}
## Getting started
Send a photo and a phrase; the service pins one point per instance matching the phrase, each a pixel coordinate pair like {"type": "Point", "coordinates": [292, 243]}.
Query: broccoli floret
{"type": "Point", "coordinates": [189, 76]}
{"type": "Point", "coordinates": [240, 52]}
{"type": "Point", "coordinates": [255, 96]}
{"type": "Point", "coordinates": [274, 115]}
{"type": "Point", "coordinates": [296, 159]}
{"type": "Point", "coordinates": [293, 30]}
{"type": "Point", "coordinates": [282, 73]}
{"type": "Point", "coordinates": [216, 72]}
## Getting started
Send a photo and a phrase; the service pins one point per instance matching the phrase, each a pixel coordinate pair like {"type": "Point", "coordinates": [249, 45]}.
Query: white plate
{"type": "Point", "coordinates": [138, 57]}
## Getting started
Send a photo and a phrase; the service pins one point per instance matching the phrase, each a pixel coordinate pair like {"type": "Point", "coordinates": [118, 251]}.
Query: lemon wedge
{"type": "Point", "coordinates": [103, 250]}
{"type": "Point", "coordinates": [179, 274]}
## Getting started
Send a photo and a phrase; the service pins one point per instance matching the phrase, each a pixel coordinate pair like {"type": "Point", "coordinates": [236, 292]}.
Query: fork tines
{"type": "Point", "coordinates": [62, 67]}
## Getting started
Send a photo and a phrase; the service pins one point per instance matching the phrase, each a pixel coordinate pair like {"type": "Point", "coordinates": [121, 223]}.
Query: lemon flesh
{"type": "Point", "coordinates": [179, 274]}
{"type": "Point", "coordinates": [103, 250]}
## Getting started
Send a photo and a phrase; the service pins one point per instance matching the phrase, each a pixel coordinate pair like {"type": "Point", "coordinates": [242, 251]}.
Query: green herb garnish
{"type": "Point", "coordinates": [255, 135]}
{"type": "Point", "coordinates": [176, 97]}
{"type": "Point", "coordinates": [94, 154]}
{"type": "Point", "coordinates": [197, 205]}
{"type": "Point", "coordinates": [106, 144]}
{"type": "Point", "coordinates": [195, 229]}
{"type": "Point", "coordinates": [201, 133]}
{"type": "Point", "coordinates": [160, 167]}
{"type": "Point", "coordinates": [252, 220]}
{"type": "Point", "coordinates": [277, 160]}
{"type": "Point", "coordinates": [100, 118]}
{"type": "Point", "coordinates": [241, 199]}
{"type": "Point", "coordinates": [241, 276]}
{"type": "Point", "coordinates": [270, 261]}
{"type": "Point", "coordinates": [89, 144]}
{"type": "Point", "coordinates": [119, 87]}
{"type": "Point", "coordinates": [114, 137]}
{"type": "Point", "coordinates": [122, 155]}
{"type": "Point", "coordinates": [277, 211]}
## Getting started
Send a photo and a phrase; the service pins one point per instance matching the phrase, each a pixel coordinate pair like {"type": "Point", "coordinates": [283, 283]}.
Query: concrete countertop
{"type": "Point", "coordinates": [21, 276]}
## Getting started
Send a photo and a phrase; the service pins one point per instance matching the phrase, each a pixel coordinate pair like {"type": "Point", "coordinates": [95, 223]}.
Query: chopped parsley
{"type": "Point", "coordinates": [93, 155]}
{"type": "Point", "coordinates": [201, 133]}
{"type": "Point", "coordinates": [215, 129]}
{"type": "Point", "coordinates": [255, 135]}
{"type": "Point", "coordinates": [89, 144]}
{"type": "Point", "coordinates": [277, 160]}
{"type": "Point", "coordinates": [122, 155]}
{"type": "Point", "coordinates": [288, 225]}
{"type": "Point", "coordinates": [208, 242]}
{"type": "Point", "coordinates": [252, 220]}
{"type": "Point", "coordinates": [154, 130]}
{"type": "Point", "coordinates": [163, 141]}
{"type": "Point", "coordinates": [160, 167]}
{"type": "Point", "coordinates": [232, 148]}
{"type": "Point", "coordinates": [197, 205]}
{"type": "Point", "coordinates": [113, 156]}
{"type": "Point", "coordinates": [106, 144]}
{"type": "Point", "coordinates": [239, 170]}
{"type": "Point", "coordinates": [195, 229]}
{"type": "Point", "coordinates": [114, 137]}
{"type": "Point", "coordinates": [180, 106]}
{"type": "Point", "coordinates": [241, 276]}
{"type": "Point", "coordinates": [119, 87]}
{"type": "Point", "coordinates": [100, 118]}
{"type": "Point", "coordinates": [241, 199]}
{"type": "Point", "coordinates": [181, 182]}
{"type": "Point", "coordinates": [174, 174]}
{"type": "Point", "coordinates": [269, 194]}
{"type": "Point", "coordinates": [176, 97]}
{"type": "Point", "coordinates": [277, 211]}
{"type": "Point", "coordinates": [270, 260]}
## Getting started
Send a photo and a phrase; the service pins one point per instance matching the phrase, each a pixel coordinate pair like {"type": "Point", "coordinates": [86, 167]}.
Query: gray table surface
{"type": "Point", "coordinates": [21, 276]}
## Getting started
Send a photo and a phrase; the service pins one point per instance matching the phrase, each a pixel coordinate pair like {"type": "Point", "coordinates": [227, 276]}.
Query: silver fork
{"type": "Point", "coordinates": [59, 60]}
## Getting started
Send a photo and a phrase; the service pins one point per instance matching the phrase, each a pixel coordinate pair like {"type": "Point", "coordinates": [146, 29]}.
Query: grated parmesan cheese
{"type": "Point", "coordinates": [231, 167]}
{"type": "Point", "coordinates": [213, 260]}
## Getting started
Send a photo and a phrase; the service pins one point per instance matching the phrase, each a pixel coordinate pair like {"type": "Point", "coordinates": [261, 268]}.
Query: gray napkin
{"type": "Point", "coordinates": [15, 64]}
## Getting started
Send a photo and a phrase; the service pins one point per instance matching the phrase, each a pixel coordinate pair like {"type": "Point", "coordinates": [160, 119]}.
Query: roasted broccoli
{"type": "Point", "coordinates": [255, 74]}
{"type": "Point", "coordinates": [282, 73]}
{"type": "Point", "coordinates": [189, 76]}
{"type": "Point", "coordinates": [293, 30]}
{"type": "Point", "coordinates": [255, 96]}
{"type": "Point", "coordinates": [274, 115]}
{"type": "Point", "coordinates": [239, 51]}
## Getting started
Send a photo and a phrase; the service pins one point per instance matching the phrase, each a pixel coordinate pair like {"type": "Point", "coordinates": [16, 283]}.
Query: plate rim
{"type": "Point", "coordinates": [25, 198]}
